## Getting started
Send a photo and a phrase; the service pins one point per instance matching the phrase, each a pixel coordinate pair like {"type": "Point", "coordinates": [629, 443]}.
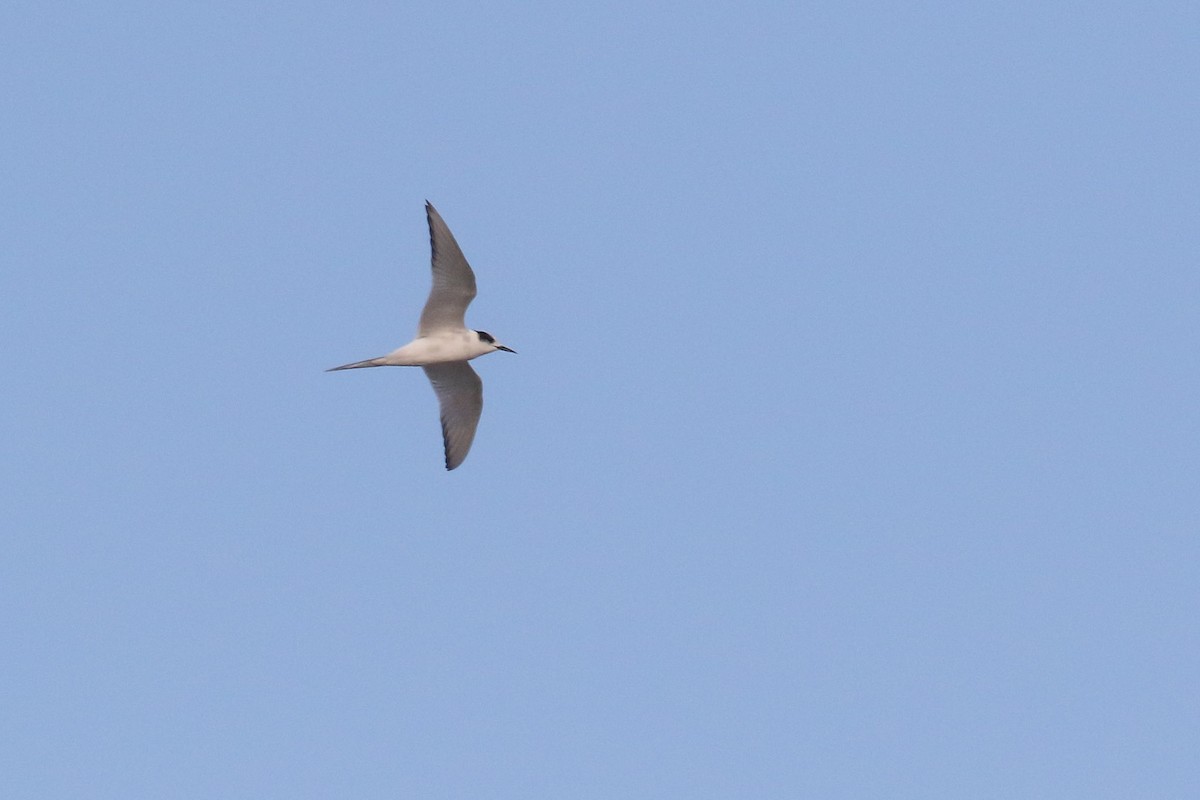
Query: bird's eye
{"type": "Point", "coordinates": [484, 336]}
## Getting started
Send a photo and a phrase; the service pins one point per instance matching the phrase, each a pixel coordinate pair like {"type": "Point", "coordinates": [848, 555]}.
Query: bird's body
{"type": "Point", "coordinates": [439, 347]}
{"type": "Point", "coordinates": [444, 344]}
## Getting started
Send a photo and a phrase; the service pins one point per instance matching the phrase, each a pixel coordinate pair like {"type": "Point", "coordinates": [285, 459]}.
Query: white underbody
{"type": "Point", "coordinates": [439, 348]}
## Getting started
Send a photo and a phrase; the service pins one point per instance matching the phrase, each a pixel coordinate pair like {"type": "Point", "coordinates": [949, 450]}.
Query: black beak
{"type": "Point", "coordinates": [506, 349]}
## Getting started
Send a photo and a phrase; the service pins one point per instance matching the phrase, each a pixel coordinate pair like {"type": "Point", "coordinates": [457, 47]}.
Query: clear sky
{"type": "Point", "coordinates": [851, 450]}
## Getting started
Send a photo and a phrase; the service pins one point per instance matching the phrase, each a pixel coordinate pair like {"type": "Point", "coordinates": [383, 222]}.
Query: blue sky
{"type": "Point", "coordinates": [851, 450]}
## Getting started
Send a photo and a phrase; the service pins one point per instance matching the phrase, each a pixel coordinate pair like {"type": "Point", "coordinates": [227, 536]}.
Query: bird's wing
{"type": "Point", "coordinates": [453, 281]}
{"type": "Point", "coordinates": [460, 398]}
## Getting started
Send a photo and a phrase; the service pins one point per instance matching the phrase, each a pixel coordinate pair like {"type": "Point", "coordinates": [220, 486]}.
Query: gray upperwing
{"type": "Point", "coordinates": [460, 399]}
{"type": "Point", "coordinates": [453, 281]}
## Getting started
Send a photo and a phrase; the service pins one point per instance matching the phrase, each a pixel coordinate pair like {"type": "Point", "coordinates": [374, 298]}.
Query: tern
{"type": "Point", "coordinates": [444, 343]}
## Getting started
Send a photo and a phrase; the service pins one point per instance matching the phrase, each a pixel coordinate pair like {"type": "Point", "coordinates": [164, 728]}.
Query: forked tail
{"type": "Point", "coordinates": [370, 362]}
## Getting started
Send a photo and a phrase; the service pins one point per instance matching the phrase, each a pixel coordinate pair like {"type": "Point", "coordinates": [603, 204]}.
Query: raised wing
{"type": "Point", "coordinates": [460, 397]}
{"type": "Point", "coordinates": [453, 281]}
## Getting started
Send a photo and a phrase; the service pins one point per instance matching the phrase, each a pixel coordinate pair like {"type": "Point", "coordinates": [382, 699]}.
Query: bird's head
{"type": "Point", "coordinates": [488, 339]}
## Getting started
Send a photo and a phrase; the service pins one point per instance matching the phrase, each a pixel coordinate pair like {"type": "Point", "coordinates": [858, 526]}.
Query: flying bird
{"type": "Point", "coordinates": [444, 344]}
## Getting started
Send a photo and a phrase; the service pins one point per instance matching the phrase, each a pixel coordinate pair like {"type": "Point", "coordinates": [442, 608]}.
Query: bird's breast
{"type": "Point", "coordinates": [438, 350]}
